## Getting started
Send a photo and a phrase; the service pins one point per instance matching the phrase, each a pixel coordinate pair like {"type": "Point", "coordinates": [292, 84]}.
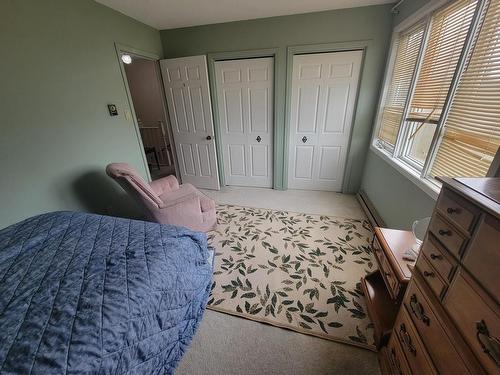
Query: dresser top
{"type": "Point", "coordinates": [394, 244]}
{"type": "Point", "coordinates": [484, 192]}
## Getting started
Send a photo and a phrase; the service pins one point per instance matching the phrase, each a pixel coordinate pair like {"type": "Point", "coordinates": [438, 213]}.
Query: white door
{"type": "Point", "coordinates": [190, 110]}
{"type": "Point", "coordinates": [324, 88]}
{"type": "Point", "coordinates": [245, 102]}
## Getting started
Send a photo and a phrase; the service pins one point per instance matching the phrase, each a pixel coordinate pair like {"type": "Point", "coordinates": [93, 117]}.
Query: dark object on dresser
{"type": "Point", "coordinates": [449, 320]}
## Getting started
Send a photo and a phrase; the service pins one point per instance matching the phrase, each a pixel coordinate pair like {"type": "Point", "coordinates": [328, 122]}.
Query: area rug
{"type": "Point", "coordinates": [293, 270]}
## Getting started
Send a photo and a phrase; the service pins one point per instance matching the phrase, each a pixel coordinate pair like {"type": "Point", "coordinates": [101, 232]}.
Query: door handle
{"type": "Point", "coordinates": [418, 310]}
{"type": "Point", "coordinates": [407, 341]}
{"type": "Point", "coordinates": [304, 139]}
{"type": "Point", "coordinates": [258, 139]}
{"type": "Point", "coordinates": [209, 137]}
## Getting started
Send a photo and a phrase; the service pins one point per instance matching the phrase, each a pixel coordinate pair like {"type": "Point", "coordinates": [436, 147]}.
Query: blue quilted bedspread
{"type": "Point", "coordinates": [92, 294]}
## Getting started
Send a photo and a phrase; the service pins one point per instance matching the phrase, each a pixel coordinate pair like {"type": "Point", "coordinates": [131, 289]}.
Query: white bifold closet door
{"type": "Point", "coordinates": [324, 89]}
{"type": "Point", "coordinates": [190, 111]}
{"type": "Point", "coordinates": [245, 104]}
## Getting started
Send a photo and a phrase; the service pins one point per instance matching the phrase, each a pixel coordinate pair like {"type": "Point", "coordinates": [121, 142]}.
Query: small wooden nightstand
{"type": "Point", "coordinates": [384, 288]}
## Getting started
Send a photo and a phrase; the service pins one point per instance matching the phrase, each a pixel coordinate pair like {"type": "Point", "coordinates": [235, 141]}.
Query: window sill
{"type": "Point", "coordinates": [426, 186]}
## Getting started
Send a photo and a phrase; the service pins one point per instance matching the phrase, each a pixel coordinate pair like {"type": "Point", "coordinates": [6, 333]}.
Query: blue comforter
{"type": "Point", "coordinates": [91, 294]}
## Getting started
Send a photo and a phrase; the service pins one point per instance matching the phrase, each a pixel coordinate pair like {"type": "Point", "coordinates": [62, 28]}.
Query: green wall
{"type": "Point", "coordinates": [58, 71]}
{"type": "Point", "coordinates": [346, 25]}
{"type": "Point", "coordinates": [397, 199]}
{"type": "Point", "coordinates": [407, 8]}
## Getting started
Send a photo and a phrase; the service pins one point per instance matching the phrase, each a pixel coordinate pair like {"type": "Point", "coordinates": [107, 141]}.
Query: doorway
{"type": "Point", "coordinates": [144, 83]}
{"type": "Point", "coordinates": [245, 98]}
{"type": "Point", "coordinates": [323, 97]}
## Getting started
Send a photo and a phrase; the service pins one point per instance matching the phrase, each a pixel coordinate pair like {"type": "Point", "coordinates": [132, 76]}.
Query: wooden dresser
{"type": "Point", "coordinates": [449, 322]}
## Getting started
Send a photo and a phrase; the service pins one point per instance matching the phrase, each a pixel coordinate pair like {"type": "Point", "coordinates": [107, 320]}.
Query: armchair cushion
{"type": "Point", "coordinates": [183, 193]}
{"type": "Point", "coordinates": [164, 184]}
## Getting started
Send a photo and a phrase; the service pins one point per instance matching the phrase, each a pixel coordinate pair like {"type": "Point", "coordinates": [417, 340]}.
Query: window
{"type": "Point", "coordinates": [409, 44]}
{"type": "Point", "coordinates": [448, 30]}
{"type": "Point", "coordinates": [472, 128]}
{"type": "Point", "coordinates": [441, 116]}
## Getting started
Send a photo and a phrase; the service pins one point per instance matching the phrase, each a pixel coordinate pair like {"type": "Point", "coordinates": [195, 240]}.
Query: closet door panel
{"type": "Point", "coordinates": [245, 103]}
{"type": "Point", "coordinates": [323, 96]}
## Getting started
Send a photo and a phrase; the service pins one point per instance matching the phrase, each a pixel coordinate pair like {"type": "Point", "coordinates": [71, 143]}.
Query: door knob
{"type": "Point", "coordinates": [304, 139]}
{"type": "Point", "coordinates": [258, 139]}
{"type": "Point", "coordinates": [209, 137]}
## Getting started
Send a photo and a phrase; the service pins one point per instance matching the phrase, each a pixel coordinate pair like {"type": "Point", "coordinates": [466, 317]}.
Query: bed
{"type": "Point", "coordinates": [90, 294]}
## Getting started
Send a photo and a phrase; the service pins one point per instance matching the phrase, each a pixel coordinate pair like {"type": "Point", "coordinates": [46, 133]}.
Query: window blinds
{"type": "Point", "coordinates": [409, 43]}
{"type": "Point", "coordinates": [472, 128]}
{"type": "Point", "coordinates": [449, 27]}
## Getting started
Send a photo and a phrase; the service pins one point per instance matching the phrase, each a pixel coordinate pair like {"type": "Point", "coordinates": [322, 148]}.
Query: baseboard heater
{"type": "Point", "coordinates": [373, 216]}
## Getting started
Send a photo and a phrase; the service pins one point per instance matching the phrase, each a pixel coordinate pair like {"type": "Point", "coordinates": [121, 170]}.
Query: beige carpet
{"type": "Point", "coordinates": [293, 270]}
{"type": "Point", "coordinates": [231, 345]}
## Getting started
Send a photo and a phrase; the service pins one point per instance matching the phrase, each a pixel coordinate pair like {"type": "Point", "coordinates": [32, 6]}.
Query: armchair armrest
{"type": "Point", "coordinates": [184, 210]}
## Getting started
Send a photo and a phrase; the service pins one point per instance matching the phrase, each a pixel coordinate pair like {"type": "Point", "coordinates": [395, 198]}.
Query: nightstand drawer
{"type": "Point", "coordinates": [441, 350]}
{"type": "Point", "coordinates": [431, 276]}
{"type": "Point", "coordinates": [447, 235]}
{"type": "Point", "coordinates": [476, 317]}
{"type": "Point", "coordinates": [385, 269]}
{"type": "Point", "coordinates": [438, 258]}
{"type": "Point", "coordinates": [397, 359]}
{"type": "Point", "coordinates": [415, 353]}
{"type": "Point", "coordinates": [458, 210]}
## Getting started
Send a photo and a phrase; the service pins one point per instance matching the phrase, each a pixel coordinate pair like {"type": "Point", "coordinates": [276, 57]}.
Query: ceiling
{"type": "Point", "coordinates": [169, 14]}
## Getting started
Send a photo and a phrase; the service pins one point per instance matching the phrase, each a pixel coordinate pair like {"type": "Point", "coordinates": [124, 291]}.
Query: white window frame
{"type": "Point", "coordinates": [394, 156]}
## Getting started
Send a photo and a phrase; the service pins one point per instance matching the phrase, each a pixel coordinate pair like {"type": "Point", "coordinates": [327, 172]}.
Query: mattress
{"type": "Point", "coordinates": [90, 294]}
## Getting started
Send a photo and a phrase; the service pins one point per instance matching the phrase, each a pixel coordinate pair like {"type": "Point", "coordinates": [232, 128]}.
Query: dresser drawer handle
{"type": "Point", "coordinates": [452, 211]}
{"type": "Point", "coordinates": [418, 310]}
{"type": "Point", "coordinates": [428, 274]}
{"type": "Point", "coordinates": [407, 339]}
{"type": "Point", "coordinates": [395, 361]}
{"type": "Point", "coordinates": [446, 232]}
{"type": "Point", "coordinates": [436, 257]}
{"type": "Point", "coordinates": [490, 345]}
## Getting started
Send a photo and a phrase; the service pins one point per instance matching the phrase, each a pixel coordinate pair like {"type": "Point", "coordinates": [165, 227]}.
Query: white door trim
{"type": "Point", "coordinates": [120, 48]}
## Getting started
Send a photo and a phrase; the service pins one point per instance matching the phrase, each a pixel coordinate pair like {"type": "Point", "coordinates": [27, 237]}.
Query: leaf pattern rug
{"type": "Point", "coordinates": [293, 270]}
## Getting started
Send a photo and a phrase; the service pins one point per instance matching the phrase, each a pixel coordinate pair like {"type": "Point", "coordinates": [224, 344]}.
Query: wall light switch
{"type": "Point", "coordinates": [113, 111]}
{"type": "Point", "coordinates": [128, 115]}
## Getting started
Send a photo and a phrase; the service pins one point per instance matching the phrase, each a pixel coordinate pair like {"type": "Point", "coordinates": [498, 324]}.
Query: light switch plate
{"type": "Point", "coordinates": [113, 111]}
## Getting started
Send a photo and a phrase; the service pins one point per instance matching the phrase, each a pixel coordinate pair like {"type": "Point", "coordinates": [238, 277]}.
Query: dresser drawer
{"type": "Point", "coordinates": [457, 209]}
{"type": "Point", "coordinates": [483, 255]}
{"type": "Point", "coordinates": [385, 269]}
{"type": "Point", "coordinates": [431, 276]}
{"type": "Point", "coordinates": [476, 317]}
{"type": "Point", "coordinates": [383, 361]}
{"type": "Point", "coordinates": [441, 350]}
{"type": "Point", "coordinates": [438, 258]}
{"type": "Point", "coordinates": [447, 235]}
{"type": "Point", "coordinates": [397, 359]}
{"type": "Point", "coordinates": [413, 349]}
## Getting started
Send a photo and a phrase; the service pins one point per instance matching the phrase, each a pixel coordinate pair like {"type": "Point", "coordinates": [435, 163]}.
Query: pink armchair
{"type": "Point", "coordinates": [165, 201]}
